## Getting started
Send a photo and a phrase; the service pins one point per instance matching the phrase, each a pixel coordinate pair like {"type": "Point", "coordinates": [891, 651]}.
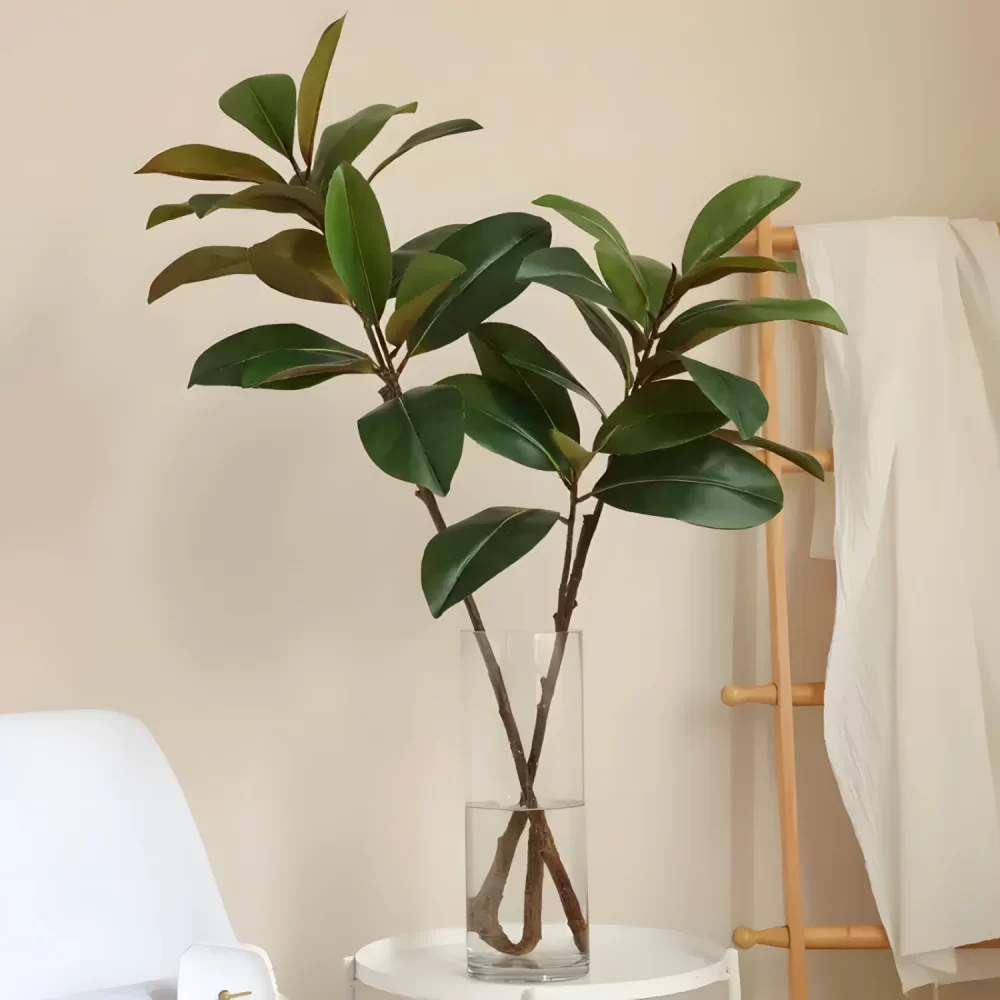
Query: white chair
{"type": "Point", "coordinates": [104, 880]}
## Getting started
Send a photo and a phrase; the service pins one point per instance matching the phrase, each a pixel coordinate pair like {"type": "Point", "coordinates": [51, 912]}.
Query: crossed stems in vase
{"type": "Point", "coordinates": [484, 907]}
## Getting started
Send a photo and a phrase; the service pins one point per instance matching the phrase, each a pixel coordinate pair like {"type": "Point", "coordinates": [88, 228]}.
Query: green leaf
{"type": "Point", "coordinates": [210, 163]}
{"type": "Point", "coordinates": [491, 250]}
{"type": "Point", "coordinates": [199, 204]}
{"type": "Point", "coordinates": [424, 243]}
{"type": "Point", "coordinates": [802, 459]}
{"type": "Point", "coordinates": [551, 397]}
{"type": "Point", "coordinates": [270, 348]}
{"type": "Point", "coordinates": [312, 87]}
{"type": "Point", "coordinates": [563, 269]}
{"type": "Point", "coordinates": [429, 134]}
{"type": "Point", "coordinates": [469, 553]}
{"type": "Point", "coordinates": [712, 270]}
{"type": "Point", "coordinates": [586, 218]}
{"type": "Point", "coordinates": [298, 201]}
{"type": "Point", "coordinates": [733, 213]}
{"type": "Point", "coordinates": [298, 368]}
{"type": "Point", "coordinates": [417, 437]}
{"type": "Point", "coordinates": [425, 279]}
{"type": "Point", "coordinates": [619, 273]}
{"type": "Point", "coordinates": [199, 265]}
{"type": "Point", "coordinates": [524, 350]}
{"type": "Point", "coordinates": [266, 106]}
{"type": "Point", "coordinates": [609, 336]}
{"type": "Point", "coordinates": [591, 221]}
{"type": "Point", "coordinates": [346, 140]}
{"type": "Point", "coordinates": [658, 415]}
{"type": "Point", "coordinates": [202, 204]}
{"type": "Point", "coordinates": [507, 423]}
{"type": "Point", "coordinates": [708, 319]}
{"type": "Point", "coordinates": [358, 242]}
{"type": "Point", "coordinates": [662, 365]}
{"type": "Point", "coordinates": [707, 482]}
{"type": "Point", "coordinates": [738, 398]}
{"type": "Point", "coordinates": [166, 213]}
{"type": "Point", "coordinates": [296, 262]}
{"type": "Point", "coordinates": [574, 452]}
{"type": "Point", "coordinates": [658, 278]}
{"type": "Point", "coordinates": [426, 271]}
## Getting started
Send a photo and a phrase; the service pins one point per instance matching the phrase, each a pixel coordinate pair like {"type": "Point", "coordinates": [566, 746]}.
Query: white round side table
{"type": "Point", "coordinates": [626, 963]}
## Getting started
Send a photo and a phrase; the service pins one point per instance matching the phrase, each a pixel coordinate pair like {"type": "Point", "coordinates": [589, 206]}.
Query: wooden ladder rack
{"type": "Point", "coordinates": [781, 693]}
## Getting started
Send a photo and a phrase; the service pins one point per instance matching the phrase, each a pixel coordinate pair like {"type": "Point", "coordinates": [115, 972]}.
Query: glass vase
{"type": "Point", "coordinates": [525, 818]}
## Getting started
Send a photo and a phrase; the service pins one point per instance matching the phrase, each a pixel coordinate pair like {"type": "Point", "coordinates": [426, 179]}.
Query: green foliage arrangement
{"type": "Point", "coordinates": [666, 447]}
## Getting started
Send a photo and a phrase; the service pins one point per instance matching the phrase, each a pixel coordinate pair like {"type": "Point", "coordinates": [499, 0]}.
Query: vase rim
{"type": "Point", "coordinates": [519, 631]}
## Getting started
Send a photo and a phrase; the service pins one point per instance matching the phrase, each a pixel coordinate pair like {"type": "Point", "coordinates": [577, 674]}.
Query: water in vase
{"type": "Point", "coordinates": [527, 918]}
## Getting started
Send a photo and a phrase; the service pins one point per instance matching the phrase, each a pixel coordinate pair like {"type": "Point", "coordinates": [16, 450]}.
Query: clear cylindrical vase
{"type": "Point", "coordinates": [525, 818]}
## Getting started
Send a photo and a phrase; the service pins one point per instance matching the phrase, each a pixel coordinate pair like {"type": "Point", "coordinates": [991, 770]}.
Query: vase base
{"type": "Point", "coordinates": [550, 969]}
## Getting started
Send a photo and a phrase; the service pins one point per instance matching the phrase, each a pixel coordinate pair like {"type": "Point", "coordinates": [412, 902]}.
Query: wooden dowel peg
{"type": "Point", "coordinates": [858, 936]}
{"type": "Point", "coordinates": [846, 937]}
{"type": "Point", "coordinates": [767, 694]}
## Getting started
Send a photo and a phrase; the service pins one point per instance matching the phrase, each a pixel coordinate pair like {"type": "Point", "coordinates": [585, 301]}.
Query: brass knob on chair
{"type": "Point", "coordinates": [226, 995]}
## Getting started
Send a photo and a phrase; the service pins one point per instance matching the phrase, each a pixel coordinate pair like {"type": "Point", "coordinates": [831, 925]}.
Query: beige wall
{"type": "Point", "coordinates": [209, 561]}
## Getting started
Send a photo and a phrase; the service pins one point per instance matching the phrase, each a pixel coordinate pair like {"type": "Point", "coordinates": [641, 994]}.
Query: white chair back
{"type": "Point", "coordinates": [104, 880]}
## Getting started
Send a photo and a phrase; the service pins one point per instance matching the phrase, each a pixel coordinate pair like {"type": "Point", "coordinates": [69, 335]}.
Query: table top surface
{"type": "Point", "coordinates": [626, 963]}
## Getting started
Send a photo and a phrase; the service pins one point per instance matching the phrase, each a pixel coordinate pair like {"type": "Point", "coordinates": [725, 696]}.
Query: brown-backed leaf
{"type": "Point", "coordinates": [211, 163]}
{"type": "Point", "coordinates": [199, 265]}
{"type": "Point", "coordinates": [297, 263]}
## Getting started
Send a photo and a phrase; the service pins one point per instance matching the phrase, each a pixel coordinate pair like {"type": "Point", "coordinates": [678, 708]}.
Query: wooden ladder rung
{"type": "Point", "coordinates": [767, 694]}
{"type": "Point", "coordinates": [842, 937]}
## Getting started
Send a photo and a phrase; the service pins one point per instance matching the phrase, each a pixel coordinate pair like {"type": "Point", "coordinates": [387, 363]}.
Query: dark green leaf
{"type": "Point", "coordinates": [202, 204]}
{"type": "Point", "coordinates": [297, 263]}
{"type": "Point", "coordinates": [227, 362]}
{"type": "Point", "coordinates": [802, 459]}
{"type": "Point", "coordinates": [469, 553]}
{"type": "Point", "coordinates": [721, 267]}
{"type": "Point", "coordinates": [199, 265]}
{"type": "Point", "coordinates": [424, 243]}
{"type": "Point", "coordinates": [507, 423]}
{"type": "Point", "coordinates": [425, 279]}
{"type": "Point", "coordinates": [209, 163]}
{"type": "Point", "coordinates": [552, 398]}
{"type": "Point", "coordinates": [426, 271]}
{"type": "Point", "coordinates": [657, 277]}
{"type": "Point", "coordinates": [285, 198]}
{"type": "Point", "coordinates": [591, 221]}
{"type": "Point", "coordinates": [524, 350]}
{"type": "Point", "coordinates": [586, 218]}
{"type": "Point", "coordinates": [266, 106]}
{"type": "Point", "coordinates": [574, 452]}
{"type": "Point", "coordinates": [297, 368]}
{"type": "Point", "coordinates": [620, 273]}
{"type": "Point", "coordinates": [706, 320]}
{"type": "Point", "coordinates": [662, 365]}
{"type": "Point", "coordinates": [491, 250]}
{"type": "Point", "coordinates": [658, 415]}
{"type": "Point", "coordinates": [417, 437]}
{"type": "Point", "coordinates": [358, 242]}
{"type": "Point", "coordinates": [731, 214]}
{"type": "Point", "coordinates": [312, 87]}
{"type": "Point", "coordinates": [563, 269]}
{"type": "Point", "coordinates": [609, 336]}
{"type": "Point", "coordinates": [166, 213]}
{"type": "Point", "coordinates": [439, 131]}
{"type": "Point", "coordinates": [346, 140]}
{"type": "Point", "coordinates": [707, 482]}
{"type": "Point", "coordinates": [738, 398]}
